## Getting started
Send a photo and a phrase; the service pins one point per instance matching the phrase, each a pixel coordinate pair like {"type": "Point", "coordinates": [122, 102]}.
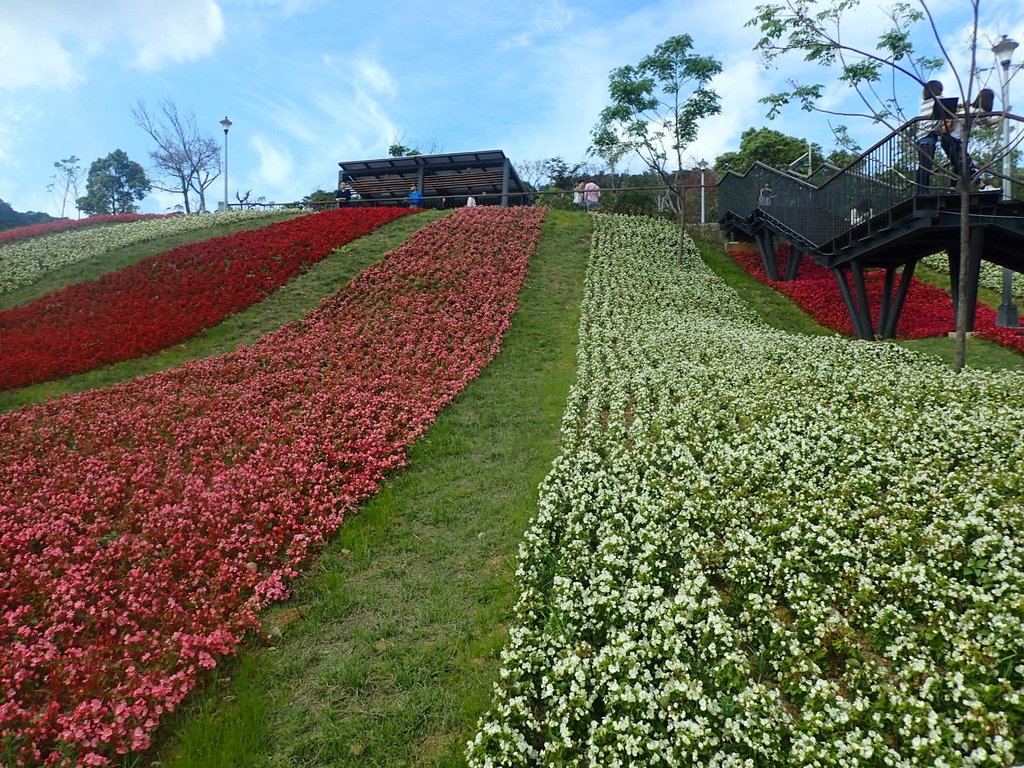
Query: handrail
{"type": "Point", "coordinates": [891, 172]}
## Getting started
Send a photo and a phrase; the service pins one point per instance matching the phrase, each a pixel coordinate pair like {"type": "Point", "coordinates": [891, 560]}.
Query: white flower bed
{"type": "Point", "coordinates": [25, 261]}
{"type": "Point", "coordinates": [759, 549]}
{"type": "Point", "coordinates": [990, 275]}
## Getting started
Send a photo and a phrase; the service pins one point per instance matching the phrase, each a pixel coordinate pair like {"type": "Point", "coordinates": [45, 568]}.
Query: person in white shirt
{"type": "Point", "coordinates": [928, 133]}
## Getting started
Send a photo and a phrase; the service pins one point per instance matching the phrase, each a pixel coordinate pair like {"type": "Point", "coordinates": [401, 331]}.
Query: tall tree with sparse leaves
{"type": "Point", "coordinates": [65, 181]}
{"type": "Point", "coordinates": [814, 28]}
{"type": "Point", "coordinates": [656, 110]}
{"type": "Point", "coordinates": [114, 185]}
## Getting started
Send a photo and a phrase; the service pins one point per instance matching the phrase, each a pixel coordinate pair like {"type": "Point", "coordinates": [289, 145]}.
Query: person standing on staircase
{"type": "Point", "coordinates": [927, 133]}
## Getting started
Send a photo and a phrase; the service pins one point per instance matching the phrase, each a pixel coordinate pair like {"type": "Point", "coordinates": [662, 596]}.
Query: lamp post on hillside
{"type": "Point", "coordinates": [703, 165]}
{"type": "Point", "coordinates": [225, 124]}
{"type": "Point", "coordinates": [1007, 315]}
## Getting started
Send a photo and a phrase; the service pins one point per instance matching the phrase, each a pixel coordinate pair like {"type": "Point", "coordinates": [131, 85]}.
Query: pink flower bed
{"type": "Point", "coordinates": [167, 298]}
{"type": "Point", "coordinates": [143, 527]}
{"type": "Point", "coordinates": [63, 225]}
{"type": "Point", "coordinates": [927, 312]}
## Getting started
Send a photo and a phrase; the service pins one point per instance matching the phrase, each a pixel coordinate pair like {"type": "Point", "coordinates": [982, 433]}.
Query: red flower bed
{"type": "Point", "coordinates": [143, 527]}
{"type": "Point", "coordinates": [928, 310]}
{"type": "Point", "coordinates": [167, 298]}
{"type": "Point", "coordinates": [63, 225]}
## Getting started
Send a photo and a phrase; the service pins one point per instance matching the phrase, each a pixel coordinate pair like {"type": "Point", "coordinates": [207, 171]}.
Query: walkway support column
{"type": "Point", "coordinates": [975, 246]}
{"type": "Point", "coordinates": [860, 316]}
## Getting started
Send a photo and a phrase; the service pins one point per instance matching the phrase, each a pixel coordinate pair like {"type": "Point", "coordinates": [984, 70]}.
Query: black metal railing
{"type": "Point", "coordinates": [894, 171]}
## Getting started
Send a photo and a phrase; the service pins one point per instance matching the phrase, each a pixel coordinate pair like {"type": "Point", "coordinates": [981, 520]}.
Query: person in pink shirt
{"type": "Point", "coordinates": [591, 195]}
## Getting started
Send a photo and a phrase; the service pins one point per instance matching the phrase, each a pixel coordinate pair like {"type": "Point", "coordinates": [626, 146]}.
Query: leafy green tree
{"type": "Point", "coordinates": [847, 151]}
{"type": "Point", "coordinates": [560, 174]}
{"type": "Point", "coordinates": [656, 107]}
{"type": "Point", "coordinates": [113, 185]}
{"type": "Point", "coordinates": [400, 150]}
{"type": "Point", "coordinates": [319, 196]}
{"type": "Point", "coordinates": [531, 172]}
{"type": "Point", "coordinates": [64, 182]}
{"type": "Point", "coordinates": [767, 146]}
{"type": "Point", "coordinates": [813, 29]}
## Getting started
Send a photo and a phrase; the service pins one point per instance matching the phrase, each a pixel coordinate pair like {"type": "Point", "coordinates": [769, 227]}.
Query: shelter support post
{"type": "Point", "coordinates": [504, 182]}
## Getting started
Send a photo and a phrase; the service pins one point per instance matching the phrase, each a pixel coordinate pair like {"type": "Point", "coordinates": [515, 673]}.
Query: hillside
{"type": "Point", "coordinates": [10, 218]}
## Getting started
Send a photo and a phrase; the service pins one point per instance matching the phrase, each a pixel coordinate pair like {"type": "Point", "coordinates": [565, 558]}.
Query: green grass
{"type": "Point", "coordinates": [387, 651]}
{"type": "Point", "coordinates": [91, 269]}
{"type": "Point", "coordinates": [290, 302]}
{"type": "Point", "coordinates": [780, 312]}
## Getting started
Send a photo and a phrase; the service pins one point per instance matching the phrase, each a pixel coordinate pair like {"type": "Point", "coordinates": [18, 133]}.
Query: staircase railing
{"type": "Point", "coordinates": [818, 210]}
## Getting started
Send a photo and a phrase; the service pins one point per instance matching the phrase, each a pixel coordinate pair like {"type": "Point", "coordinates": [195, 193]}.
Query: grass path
{"type": "Point", "coordinates": [386, 653]}
{"type": "Point", "coordinates": [288, 303]}
{"type": "Point", "coordinates": [779, 312]}
{"type": "Point", "coordinates": [118, 258]}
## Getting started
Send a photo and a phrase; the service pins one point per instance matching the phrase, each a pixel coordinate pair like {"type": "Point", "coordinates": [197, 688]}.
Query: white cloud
{"type": "Point", "coordinates": [48, 43]}
{"type": "Point", "coordinates": [739, 85]}
{"type": "Point", "coordinates": [547, 20]}
{"type": "Point", "coordinates": [356, 104]}
{"type": "Point", "coordinates": [13, 119]}
{"type": "Point", "coordinates": [28, 60]}
{"type": "Point", "coordinates": [284, 8]}
{"type": "Point", "coordinates": [276, 167]}
{"type": "Point", "coordinates": [179, 31]}
{"type": "Point", "coordinates": [374, 76]}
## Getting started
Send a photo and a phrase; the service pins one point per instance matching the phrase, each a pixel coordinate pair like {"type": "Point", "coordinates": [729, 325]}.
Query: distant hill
{"type": "Point", "coordinates": [10, 218]}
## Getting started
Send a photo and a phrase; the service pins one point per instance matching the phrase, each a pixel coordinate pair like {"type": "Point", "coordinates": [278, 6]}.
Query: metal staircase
{"type": "Point", "coordinates": [881, 211]}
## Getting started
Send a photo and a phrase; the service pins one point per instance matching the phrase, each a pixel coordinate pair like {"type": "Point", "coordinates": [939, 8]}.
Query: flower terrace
{"type": "Point", "coordinates": [755, 548]}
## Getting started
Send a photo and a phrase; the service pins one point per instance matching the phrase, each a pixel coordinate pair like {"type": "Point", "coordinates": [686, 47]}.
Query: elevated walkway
{"type": "Point", "coordinates": [881, 211]}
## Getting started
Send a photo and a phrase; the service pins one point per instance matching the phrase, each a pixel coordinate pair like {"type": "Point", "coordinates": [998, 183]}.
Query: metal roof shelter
{"type": "Point", "coordinates": [443, 179]}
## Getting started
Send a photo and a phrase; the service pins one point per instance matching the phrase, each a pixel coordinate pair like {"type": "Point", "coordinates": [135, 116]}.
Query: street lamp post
{"type": "Point", "coordinates": [225, 124]}
{"type": "Point", "coordinates": [1007, 315]}
{"type": "Point", "coordinates": [703, 164]}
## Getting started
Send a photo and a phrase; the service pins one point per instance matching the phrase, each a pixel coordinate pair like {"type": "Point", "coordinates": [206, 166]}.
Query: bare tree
{"type": "Point", "coordinates": [400, 148]}
{"type": "Point", "coordinates": [532, 171]}
{"type": "Point", "coordinates": [186, 158]}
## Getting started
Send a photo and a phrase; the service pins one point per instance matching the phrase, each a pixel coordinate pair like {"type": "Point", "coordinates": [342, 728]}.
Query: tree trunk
{"type": "Point", "coordinates": [681, 222]}
{"type": "Point", "coordinates": [960, 346]}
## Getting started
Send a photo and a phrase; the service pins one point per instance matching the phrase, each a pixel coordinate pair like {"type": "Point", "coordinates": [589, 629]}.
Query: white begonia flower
{"type": "Point", "coordinates": [734, 501]}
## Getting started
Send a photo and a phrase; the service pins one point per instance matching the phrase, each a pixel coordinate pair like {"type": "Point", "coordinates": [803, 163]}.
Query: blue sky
{"type": "Point", "coordinates": [307, 83]}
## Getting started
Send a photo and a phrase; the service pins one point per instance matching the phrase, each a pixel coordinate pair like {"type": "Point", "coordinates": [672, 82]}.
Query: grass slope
{"type": "Point", "coordinates": [91, 269]}
{"type": "Point", "coordinates": [779, 312]}
{"type": "Point", "coordinates": [386, 653]}
{"type": "Point", "coordinates": [288, 303]}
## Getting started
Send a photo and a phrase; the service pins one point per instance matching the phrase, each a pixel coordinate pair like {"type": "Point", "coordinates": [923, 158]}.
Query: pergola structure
{"type": "Point", "coordinates": [447, 179]}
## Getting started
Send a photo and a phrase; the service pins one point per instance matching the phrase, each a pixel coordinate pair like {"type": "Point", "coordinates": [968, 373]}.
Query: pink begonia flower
{"type": "Point", "coordinates": [143, 527]}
